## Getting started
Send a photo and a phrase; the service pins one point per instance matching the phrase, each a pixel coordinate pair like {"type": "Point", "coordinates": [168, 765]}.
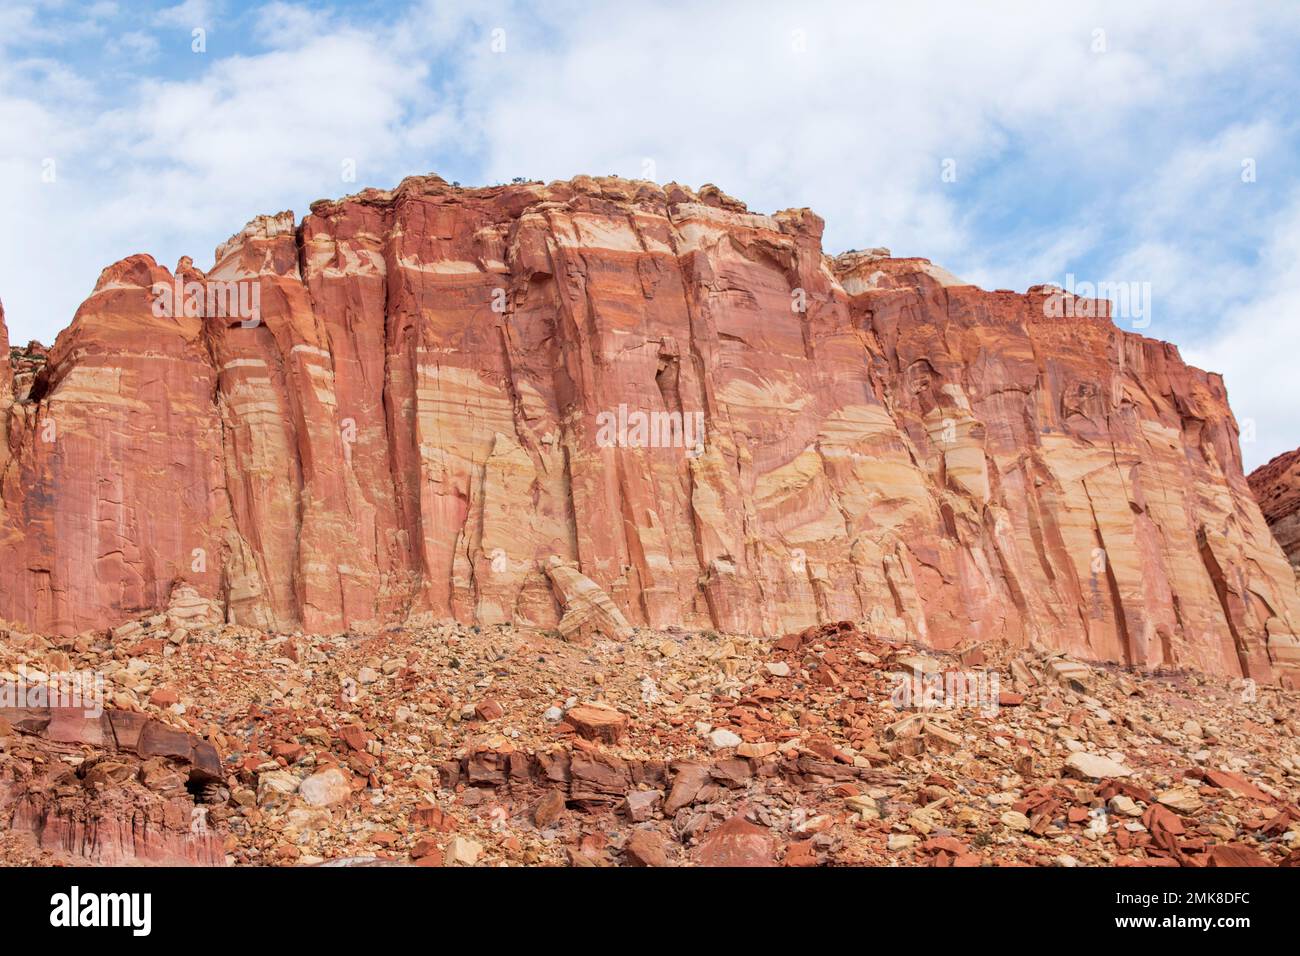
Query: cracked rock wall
{"type": "Point", "coordinates": [410, 431]}
{"type": "Point", "coordinates": [1277, 489]}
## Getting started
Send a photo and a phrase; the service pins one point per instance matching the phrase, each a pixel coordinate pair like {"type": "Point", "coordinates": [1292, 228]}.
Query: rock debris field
{"type": "Point", "coordinates": [509, 746]}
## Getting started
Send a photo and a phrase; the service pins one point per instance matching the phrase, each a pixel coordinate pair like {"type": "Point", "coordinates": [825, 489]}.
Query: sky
{"type": "Point", "coordinates": [1152, 146]}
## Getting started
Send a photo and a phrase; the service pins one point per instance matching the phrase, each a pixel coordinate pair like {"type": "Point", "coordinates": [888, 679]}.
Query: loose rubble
{"type": "Point", "coordinates": [464, 746]}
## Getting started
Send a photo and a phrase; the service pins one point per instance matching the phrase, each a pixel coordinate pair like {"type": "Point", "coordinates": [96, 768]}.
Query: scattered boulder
{"type": "Point", "coordinates": [594, 722]}
{"type": "Point", "coordinates": [1095, 767]}
{"type": "Point", "coordinates": [738, 842]}
{"type": "Point", "coordinates": [325, 788]}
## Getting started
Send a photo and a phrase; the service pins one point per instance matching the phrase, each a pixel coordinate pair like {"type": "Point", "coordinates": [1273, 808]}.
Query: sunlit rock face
{"type": "Point", "coordinates": [1277, 489]}
{"type": "Point", "coordinates": [415, 402]}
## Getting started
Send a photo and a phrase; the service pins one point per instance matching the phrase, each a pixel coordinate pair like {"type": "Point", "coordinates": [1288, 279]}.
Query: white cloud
{"type": "Point", "coordinates": [134, 46]}
{"type": "Point", "coordinates": [1256, 345]}
{"type": "Point", "coordinates": [183, 165]}
{"type": "Point", "coordinates": [846, 108]}
{"type": "Point", "coordinates": [288, 24]}
{"type": "Point", "coordinates": [19, 25]}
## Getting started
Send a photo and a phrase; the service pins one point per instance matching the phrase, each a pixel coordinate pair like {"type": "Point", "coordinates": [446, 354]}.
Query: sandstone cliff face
{"type": "Point", "coordinates": [6, 372]}
{"type": "Point", "coordinates": [1277, 489]}
{"type": "Point", "coordinates": [6, 390]}
{"type": "Point", "coordinates": [419, 423]}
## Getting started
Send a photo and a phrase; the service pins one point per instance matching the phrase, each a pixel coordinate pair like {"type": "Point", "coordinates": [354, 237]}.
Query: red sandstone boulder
{"type": "Point", "coordinates": [737, 842]}
{"type": "Point", "coordinates": [646, 848]}
{"type": "Point", "coordinates": [593, 722]}
{"type": "Point", "coordinates": [1235, 855]}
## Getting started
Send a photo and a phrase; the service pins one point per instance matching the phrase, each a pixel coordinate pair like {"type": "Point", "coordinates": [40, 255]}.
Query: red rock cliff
{"type": "Point", "coordinates": [443, 396]}
{"type": "Point", "coordinates": [6, 372]}
{"type": "Point", "coordinates": [1277, 489]}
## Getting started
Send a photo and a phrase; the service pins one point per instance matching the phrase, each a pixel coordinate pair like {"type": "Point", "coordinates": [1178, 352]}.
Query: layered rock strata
{"type": "Point", "coordinates": [1277, 489]}
{"type": "Point", "coordinates": [442, 399]}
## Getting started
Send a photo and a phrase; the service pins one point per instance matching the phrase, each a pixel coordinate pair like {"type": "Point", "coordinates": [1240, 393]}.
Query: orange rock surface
{"type": "Point", "coordinates": [417, 426]}
{"type": "Point", "coordinates": [1277, 489]}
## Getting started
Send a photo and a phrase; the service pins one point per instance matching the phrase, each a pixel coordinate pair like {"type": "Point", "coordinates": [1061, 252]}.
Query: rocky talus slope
{"type": "Point", "coordinates": [415, 428]}
{"type": "Point", "coordinates": [487, 746]}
